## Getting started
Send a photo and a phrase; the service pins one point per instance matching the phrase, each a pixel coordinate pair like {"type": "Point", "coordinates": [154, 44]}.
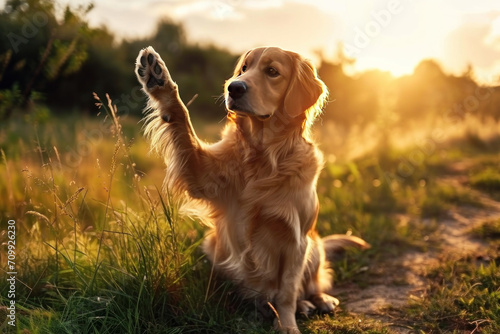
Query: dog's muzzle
{"type": "Point", "coordinates": [237, 104]}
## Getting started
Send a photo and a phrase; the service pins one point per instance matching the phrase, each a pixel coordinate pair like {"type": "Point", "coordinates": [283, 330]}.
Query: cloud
{"type": "Point", "coordinates": [476, 41]}
{"type": "Point", "coordinates": [493, 38]}
{"type": "Point", "coordinates": [289, 25]}
{"type": "Point", "coordinates": [129, 20]}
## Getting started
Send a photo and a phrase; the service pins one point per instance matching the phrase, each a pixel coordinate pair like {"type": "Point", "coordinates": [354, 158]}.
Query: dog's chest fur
{"type": "Point", "coordinates": [271, 187]}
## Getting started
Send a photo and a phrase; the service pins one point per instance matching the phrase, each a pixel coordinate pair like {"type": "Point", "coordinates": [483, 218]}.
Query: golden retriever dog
{"type": "Point", "coordinates": [258, 182]}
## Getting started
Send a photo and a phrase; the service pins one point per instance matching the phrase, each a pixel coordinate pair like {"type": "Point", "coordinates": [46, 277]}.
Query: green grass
{"type": "Point", "coordinates": [489, 229]}
{"type": "Point", "coordinates": [440, 198]}
{"type": "Point", "coordinates": [102, 250]}
{"type": "Point", "coordinates": [463, 295]}
{"type": "Point", "coordinates": [487, 179]}
{"type": "Point", "coordinates": [463, 292]}
{"type": "Point", "coordinates": [344, 323]}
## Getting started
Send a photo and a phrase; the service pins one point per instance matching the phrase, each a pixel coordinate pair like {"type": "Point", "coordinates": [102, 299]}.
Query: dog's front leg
{"type": "Point", "coordinates": [286, 298]}
{"type": "Point", "coordinates": [169, 128]}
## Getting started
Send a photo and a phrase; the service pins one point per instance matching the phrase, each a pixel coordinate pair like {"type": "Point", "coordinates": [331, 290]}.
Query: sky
{"type": "Point", "coordinates": [391, 35]}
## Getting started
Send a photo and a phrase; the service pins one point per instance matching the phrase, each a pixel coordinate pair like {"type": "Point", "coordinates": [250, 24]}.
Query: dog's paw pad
{"type": "Point", "coordinates": [157, 69]}
{"type": "Point", "coordinates": [151, 70]}
{"type": "Point", "coordinates": [151, 82]}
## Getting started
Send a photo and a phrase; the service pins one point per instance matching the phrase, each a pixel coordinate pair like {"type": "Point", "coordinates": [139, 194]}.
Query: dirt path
{"type": "Point", "coordinates": [394, 282]}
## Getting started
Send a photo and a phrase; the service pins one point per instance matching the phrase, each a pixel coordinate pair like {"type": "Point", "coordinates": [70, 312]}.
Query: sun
{"type": "Point", "coordinates": [392, 36]}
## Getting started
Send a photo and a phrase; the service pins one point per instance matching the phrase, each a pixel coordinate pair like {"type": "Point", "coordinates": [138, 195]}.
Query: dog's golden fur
{"type": "Point", "coordinates": [258, 181]}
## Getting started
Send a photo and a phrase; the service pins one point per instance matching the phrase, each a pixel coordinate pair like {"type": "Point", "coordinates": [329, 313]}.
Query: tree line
{"type": "Point", "coordinates": [59, 61]}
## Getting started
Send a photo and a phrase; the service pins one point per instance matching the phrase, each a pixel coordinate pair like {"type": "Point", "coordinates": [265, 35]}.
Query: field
{"type": "Point", "coordinates": [100, 249]}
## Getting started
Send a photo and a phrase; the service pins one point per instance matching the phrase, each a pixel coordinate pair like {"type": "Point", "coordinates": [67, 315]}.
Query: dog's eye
{"type": "Point", "coordinates": [244, 68]}
{"type": "Point", "coordinates": [272, 72]}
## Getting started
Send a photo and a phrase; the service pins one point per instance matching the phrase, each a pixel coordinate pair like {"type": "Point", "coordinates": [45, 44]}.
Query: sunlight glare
{"type": "Point", "coordinates": [398, 39]}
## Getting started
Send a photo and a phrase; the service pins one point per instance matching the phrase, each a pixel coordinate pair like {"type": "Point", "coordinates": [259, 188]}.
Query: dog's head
{"type": "Point", "coordinates": [267, 81]}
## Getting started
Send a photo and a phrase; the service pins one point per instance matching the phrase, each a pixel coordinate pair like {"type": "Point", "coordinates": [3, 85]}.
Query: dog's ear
{"type": "Point", "coordinates": [305, 90]}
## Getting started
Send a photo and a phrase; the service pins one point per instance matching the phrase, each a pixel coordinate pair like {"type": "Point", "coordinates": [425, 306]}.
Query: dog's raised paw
{"type": "Point", "coordinates": [151, 70]}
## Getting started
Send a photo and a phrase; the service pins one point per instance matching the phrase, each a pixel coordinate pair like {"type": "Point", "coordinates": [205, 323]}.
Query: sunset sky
{"type": "Point", "coordinates": [392, 35]}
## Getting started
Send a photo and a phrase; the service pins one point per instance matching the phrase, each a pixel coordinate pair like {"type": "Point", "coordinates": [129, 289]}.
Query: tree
{"type": "Point", "coordinates": [39, 47]}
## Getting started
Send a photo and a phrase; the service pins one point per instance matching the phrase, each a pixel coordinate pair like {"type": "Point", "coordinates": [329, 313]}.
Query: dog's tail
{"type": "Point", "coordinates": [336, 243]}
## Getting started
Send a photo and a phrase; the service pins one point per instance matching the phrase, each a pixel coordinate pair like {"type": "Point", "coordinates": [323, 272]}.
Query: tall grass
{"type": "Point", "coordinates": [100, 248]}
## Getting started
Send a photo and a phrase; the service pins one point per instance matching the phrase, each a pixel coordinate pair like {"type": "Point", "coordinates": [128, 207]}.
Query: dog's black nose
{"type": "Point", "coordinates": [237, 89]}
